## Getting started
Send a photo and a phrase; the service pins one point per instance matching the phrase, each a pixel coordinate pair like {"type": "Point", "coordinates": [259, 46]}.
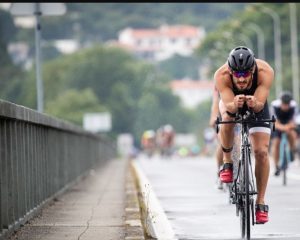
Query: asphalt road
{"type": "Point", "coordinates": [186, 189]}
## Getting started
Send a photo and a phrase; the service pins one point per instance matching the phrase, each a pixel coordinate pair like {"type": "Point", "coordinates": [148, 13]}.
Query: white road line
{"type": "Point", "coordinates": [158, 225]}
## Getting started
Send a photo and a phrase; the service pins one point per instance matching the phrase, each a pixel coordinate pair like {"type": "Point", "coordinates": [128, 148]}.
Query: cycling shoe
{"type": "Point", "coordinates": [226, 173]}
{"type": "Point", "coordinates": [261, 213]}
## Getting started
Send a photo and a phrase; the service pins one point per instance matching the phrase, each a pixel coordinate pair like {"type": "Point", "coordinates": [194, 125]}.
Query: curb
{"type": "Point", "coordinates": [155, 222]}
{"type": "Point", "coordinates": [134, 229]}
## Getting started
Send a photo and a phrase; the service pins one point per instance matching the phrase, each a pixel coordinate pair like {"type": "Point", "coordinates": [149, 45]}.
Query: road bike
{"type": "Point", "coordinates": [243, 189]}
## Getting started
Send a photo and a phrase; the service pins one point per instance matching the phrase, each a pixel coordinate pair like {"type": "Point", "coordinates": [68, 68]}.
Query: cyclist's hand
{"type": "Point", "coordinates": [239, 100]}
{"type": "Point", "coordinates": [251, 101]}
{"type": "Point", "coordinates": [285, 128]}
{"type": "Point", "coordinates": [291, 126]}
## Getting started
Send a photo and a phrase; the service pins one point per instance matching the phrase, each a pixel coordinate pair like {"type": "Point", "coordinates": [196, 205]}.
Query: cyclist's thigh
{"type": "Point", "coordinates": [260, 143]}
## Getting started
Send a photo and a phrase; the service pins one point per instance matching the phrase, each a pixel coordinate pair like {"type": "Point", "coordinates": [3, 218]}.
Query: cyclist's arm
{"type": "Point", "coordinates": [279, 126]}
{"type": "Point", "coordinates": [225, 91]}
{"type": "Point", "coordinates": [214, 107]}
{"type": "Point", "coordinates": [262, 92]}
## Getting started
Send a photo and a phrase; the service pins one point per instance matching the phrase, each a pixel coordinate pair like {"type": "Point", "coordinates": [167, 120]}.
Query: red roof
{"type": "Point", "coordinates": [168, 31]}
{"type": "Point", "coordinates": [142, 33]}
{"type": "Point", "coordinates": [180, 31]}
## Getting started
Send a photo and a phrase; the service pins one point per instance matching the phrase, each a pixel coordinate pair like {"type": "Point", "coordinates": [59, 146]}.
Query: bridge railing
{"type": "Point", "coordinates": [40, 156]}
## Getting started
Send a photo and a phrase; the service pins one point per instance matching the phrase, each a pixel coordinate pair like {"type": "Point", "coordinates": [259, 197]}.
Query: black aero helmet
{"type": "Point", "coordinates": [286, 97]}
{"type": "Point", "coordinates": [241, 59]}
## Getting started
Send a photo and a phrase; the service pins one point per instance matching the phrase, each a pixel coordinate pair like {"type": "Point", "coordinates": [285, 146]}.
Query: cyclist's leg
{"type": "Point", "coordinates": [226, 135]}
{"type": "Point", "coordinates": [260, 144]}
{"type": "Point", "coordinates": [219, 156]}
{"type": "Point", "coordinates": [292, 138]}
{"type": "Point", "coordinates": [219, 161]}
{"type": "Point", "coordinates": [275, 148]}
{"type": "Point", "coordinates": [260, 134]}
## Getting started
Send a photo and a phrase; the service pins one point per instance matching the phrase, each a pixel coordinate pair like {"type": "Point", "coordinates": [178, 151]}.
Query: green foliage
{"type": "Point", "coordinates": [98, 22]}
{"type": "Point", "coordinates": [7, 27]}
{"type": "Point", "coordinates": [72, 104]}
{"type": "Point", "coordinates": [157, 107]}
{"type": "Point", "coordinates": [179, 67]}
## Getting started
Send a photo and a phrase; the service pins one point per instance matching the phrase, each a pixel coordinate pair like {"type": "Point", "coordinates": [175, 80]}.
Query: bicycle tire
{"type": "Point", "coordinates": [241, 197]}
{"type": "Point", "coordinates": [247, 195]}
{"type": "Point", "coordinates": [284, 166]}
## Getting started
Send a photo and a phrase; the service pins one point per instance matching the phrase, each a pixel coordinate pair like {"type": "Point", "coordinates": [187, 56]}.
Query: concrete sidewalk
{"type": "Point", "coordinates": [102, 206]}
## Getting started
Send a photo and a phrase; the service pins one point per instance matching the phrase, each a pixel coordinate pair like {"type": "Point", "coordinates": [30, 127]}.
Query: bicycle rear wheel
{"type": "Point", "coordinates": [243, 221]}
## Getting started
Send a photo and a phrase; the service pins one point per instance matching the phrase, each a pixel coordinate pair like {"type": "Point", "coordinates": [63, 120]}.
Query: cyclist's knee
{"type": "Point", "coordinates": [261, 153]}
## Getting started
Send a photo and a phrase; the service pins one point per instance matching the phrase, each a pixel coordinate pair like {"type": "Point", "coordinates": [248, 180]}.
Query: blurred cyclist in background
{"type": "Point", "coordinates": [148, 142]}
{"type": "Point", "coordinates": [297, 120]}
{"type": "Point", "coordinates": [159, 140]}
{"type": "Point", "coordinates": [285, 110]}
{"type": "Point", "coordinates": [168, 137]}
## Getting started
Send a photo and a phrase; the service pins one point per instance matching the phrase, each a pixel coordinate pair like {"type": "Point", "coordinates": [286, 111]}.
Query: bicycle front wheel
{"type": "Point", "coordinates": [241, 199]}
{"type": "Point", "coordinates": [284, 166]}
{"type": "Point", "coordinates": [247, 195]}
{"type": "Point", "coordinates": [244, 197]}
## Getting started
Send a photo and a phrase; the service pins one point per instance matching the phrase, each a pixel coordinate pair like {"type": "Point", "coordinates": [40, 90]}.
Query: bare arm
{"type": "Point", "coordinates": [225, 91]}
{"type": "Point", "coordinates": [214, 108]}
{"type": "Point", "coordinates": [261, 94]}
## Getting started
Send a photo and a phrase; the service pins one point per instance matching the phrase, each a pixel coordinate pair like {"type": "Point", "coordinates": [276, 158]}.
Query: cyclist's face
{"type": "Point", "coordinates": [284, 107]}
{"type": "Point", "coordinates": [242, 81]}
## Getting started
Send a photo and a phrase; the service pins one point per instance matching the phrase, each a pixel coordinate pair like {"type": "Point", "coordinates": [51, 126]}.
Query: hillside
{"type": "Point", "coordinates": [102, 21]}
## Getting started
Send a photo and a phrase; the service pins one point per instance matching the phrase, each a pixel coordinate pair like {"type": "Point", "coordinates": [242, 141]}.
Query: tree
{"type": "Point", "coordinates": [72, 105]}
{"type": "Point", "coordinates": [179, 67]}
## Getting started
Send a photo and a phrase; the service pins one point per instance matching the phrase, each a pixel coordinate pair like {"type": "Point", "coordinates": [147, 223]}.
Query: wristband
{"type": "Point", "coordinates": [231, 114]}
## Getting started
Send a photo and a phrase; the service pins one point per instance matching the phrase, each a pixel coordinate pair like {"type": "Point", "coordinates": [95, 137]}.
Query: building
{"type": "Point", "coordinates": [192, 92]}
{"type": "Point", "coordinates": [162, 43]}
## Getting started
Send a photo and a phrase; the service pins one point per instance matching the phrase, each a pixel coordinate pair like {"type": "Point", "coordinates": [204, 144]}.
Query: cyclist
{"type": "Point", "coordinates": [244, 82]}
{"type": "Point", "coordinates": [168, 138]}
{"type": "Point", "coordinates": [148, 142]}
{"type": "Point", "coordinates": [285, 110]}
{"type": "Point", "coordinates": [297, 120]}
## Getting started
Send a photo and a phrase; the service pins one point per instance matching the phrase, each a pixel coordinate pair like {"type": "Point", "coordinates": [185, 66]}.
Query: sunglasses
{"type": "Point", "coordinates": [242, 74]}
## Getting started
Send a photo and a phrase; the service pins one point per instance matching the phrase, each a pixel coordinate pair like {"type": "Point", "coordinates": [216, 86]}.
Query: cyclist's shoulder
{"type": "Point", "coordinates": [293, 104]}
{"type": "Point", "coordinates": [265, 71]}
{"type": "Point", "coordinates": [222, 71]}
{"type": "Point", "coordinates": [222, 76]}
{"type": "Point", "coordinates": [263, 65]}
{"type": "Point", "coordinates": [276, 103]}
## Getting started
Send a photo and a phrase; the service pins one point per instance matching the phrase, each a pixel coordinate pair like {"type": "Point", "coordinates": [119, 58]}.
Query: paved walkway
{"type": "Point", "coordinates": [102, 206]}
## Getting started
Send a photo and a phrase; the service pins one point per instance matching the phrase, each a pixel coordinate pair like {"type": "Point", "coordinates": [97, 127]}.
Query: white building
{"type": "Point", "coordinates": [192, 92]}
{"type": "Point", "coordinates": [162, 43]}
